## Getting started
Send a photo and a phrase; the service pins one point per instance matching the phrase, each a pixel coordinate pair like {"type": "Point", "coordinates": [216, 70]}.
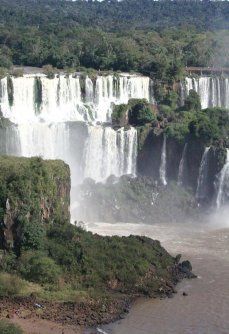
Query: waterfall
{"type": "Point", "coordinates": [162, 171]}
{"type": "Point", "coordinates": [213, 91]}
{"type": "Point", "coordinates": [203, 175]}
{"type": "Point", "coordinates": [181, 166]}
{"type": "Point", "coordinates": [109, 152]}
{"type": "Point", "coordinates": [69, 98]}
{"type": "Point", "coordinates": [45, 112]}
{"type": "Point", "coordinates": [9, 143]}
{"type": "Point", "coordinates": [223, 189]}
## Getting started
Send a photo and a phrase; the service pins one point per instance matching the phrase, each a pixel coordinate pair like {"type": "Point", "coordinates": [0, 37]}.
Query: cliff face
{"type": "Point", "coordinates": [32, 191]}
{"type": "Point", "coordinates": [149, 155]}
{"type": "Point", "coordinates": [191, 150]}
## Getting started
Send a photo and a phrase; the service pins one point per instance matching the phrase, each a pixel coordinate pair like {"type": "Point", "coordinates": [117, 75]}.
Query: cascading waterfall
{"type": "Point", "coordinates": [223, 189]}
{"type": "Point", "coordinates": [162, 171]}
{"type": "Point", "coordinates": [213, 91]}
{"type": "Point", "coordinates": [109, 152]}
{"type": "Point", "coordinates": [43, 109]}
{"type": "Point", "coordinates": [181, 166]}
{"type": "Point", "coordinates": [69, 98]}
{"type": "Point", "coordinates": [201, 191]}
{"type": "Point", "coordinates": [9, 143]}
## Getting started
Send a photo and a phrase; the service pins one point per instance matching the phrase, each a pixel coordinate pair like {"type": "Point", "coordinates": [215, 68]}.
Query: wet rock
{"type": "Point", "coordinates": [185, 267]}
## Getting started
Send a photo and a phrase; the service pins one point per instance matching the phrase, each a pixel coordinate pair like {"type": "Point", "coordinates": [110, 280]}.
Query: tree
{"type": "Point", "coordinates": [192, 102]}
{"type": "Point", "coordinates": [140, 112]}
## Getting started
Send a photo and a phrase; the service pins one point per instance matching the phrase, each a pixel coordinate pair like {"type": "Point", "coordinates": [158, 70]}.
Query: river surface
{"type": "Point", "coordinates": [206, 308]}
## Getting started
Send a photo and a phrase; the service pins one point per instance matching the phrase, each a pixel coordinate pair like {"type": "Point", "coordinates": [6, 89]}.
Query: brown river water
{"type": "Point", "coordinates": [206, 308]}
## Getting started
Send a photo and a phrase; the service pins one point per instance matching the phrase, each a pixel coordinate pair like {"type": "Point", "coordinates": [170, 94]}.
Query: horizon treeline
{"type": "Point", "coordinates": [157, 38]}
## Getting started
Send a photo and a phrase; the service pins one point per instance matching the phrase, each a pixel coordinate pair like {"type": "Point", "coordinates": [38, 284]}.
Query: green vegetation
{"type": "Point", "coordinates": [120, 115]}
{"type": "Point", "coordinates": [211, 125]}
{"type": "Point", "coordinates": [78, 261]}
{"type": "Point", "coordinates": [38, 267]}
{"type": "Point", "coordinates": [136, 112]}
{"type": "Point", "coordinates": [158, 38]}
{"type": "Point", "coordinates": [140, 112]}
{"type": "Point", "coordinates": [30, 191]}
{"type": "Point", "coordinates": [8, 328]}
{"type": "Point", "coordinates": [192, 102]}
{"type": "Point", "coordinates": [10, 284]}
{"type": "Point", "coordinates": [43, 254]}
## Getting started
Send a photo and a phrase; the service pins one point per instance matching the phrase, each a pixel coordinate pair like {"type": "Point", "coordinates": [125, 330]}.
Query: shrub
{"type": "Point", "coordinates": [8, 328]}
{"type": "Point", "coordinates": [192, 102]}
{"type": "Point", "coordinates": [140, 113]}
{"type": "Point", "coordinates": [8, 262]}
{"type": "Point", "coordinates": [202, 127]}
{"type": "Point", "coordinates": [171, 99]}
{"type": "Point", "coordinates": [49, 71]}
{"type": "Point", "coordinates": [10, 285]}
{"type": "Point", "coordinates": [167, 112]}
{"type": "Point", "coordinates": [120, 115]}
{"type": "Point", "coordinates": [37, 267]}
{"type": "Point", "coordinates": [31, 235]}
{"type": "Point", "coordinates": [5, 61]}
{"type": "Point", "coordinates": [3, 72]}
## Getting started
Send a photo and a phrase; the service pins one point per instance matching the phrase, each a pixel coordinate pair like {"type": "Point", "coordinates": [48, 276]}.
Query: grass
{"type": "Point", "coordinates": [8, 328]}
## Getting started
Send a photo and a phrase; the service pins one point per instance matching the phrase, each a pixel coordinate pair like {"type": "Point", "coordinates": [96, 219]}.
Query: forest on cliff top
{"type": "Point", "coordinates": [157, 38]}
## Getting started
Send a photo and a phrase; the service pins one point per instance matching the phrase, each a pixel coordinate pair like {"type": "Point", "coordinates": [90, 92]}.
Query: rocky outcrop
{"type": "Point", "coordinates": [31, 190]}
{"type": "Point", "coordinates": [149, 156]}
{"type": "Point", "coordinates": [134, 200]}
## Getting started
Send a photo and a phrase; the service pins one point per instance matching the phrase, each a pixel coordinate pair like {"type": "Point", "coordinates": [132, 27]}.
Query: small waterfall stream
{"type": "Point", "coordinates": [203, 175]}
{"type": "Point", "coordinates": [223, 189]}
{"type": "Point", "coordinates": [162, 171]}
{"type": "Point", "coordinates": [181, 166]}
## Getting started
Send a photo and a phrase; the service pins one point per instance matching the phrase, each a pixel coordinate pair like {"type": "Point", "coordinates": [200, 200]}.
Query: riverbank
{"type": "Point", "coordinates": [38, 316]}
{"type": "Point", "coordinates": [205, 307]}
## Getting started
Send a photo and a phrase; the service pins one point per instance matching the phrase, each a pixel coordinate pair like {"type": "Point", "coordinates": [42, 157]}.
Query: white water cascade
{"type": "Point", "coordinates": [43, 110]}
{"type": "Point", "coordinates": [181, 166]}
{"type": "Point", "coordinates": [223, 190]}
{"type": "Point", "coordinates": [213, 91]}
{"type": "Point", "coordinates": [203, 175]}
{"type": "Point", "coordinates": [162, 171]}
{"type": "Point", "coordinates": [69, 98]}
{"type": "Point", "coordinates": [110, 152]}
